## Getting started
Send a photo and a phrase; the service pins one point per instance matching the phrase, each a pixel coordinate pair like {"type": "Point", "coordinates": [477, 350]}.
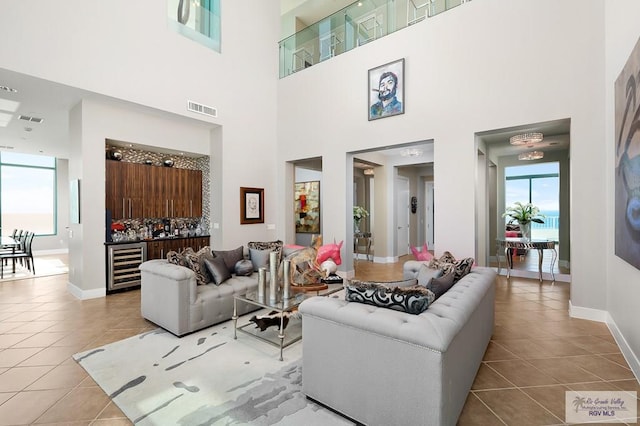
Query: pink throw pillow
{"type": "Point", "coordinates": [421, 255]}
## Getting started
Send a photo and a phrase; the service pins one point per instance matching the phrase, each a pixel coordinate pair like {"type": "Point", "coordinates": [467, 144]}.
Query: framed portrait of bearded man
{"type": "Point", "coordinates": [386, 90]}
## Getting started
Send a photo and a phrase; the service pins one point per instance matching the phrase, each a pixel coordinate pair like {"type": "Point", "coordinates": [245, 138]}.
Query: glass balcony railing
{"type": "Point", "coordinates": [359, 23]}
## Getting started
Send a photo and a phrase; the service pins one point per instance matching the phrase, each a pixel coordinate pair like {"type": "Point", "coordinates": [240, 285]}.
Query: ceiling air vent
{"type": "Point", "coordinates": [32, 119]}
{"type": "Point", "coordinates": [202, 109]}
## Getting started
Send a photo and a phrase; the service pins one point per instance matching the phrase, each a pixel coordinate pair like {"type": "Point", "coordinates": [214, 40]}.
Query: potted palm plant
{"type": "Point", "coordinates": [524, 214]}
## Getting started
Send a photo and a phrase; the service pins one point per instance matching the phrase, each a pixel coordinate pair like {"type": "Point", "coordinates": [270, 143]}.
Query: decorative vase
{"type": "Point", "coordinates": [286, 285]}
{"type": "Point", "coordinates": [273, 277]}
{"type": "Point", "coordinates": [356, 226]}
{"type": "Point", "coordinates": [525, 229]}
{"type": "Point", "coordinates": [262, 279]}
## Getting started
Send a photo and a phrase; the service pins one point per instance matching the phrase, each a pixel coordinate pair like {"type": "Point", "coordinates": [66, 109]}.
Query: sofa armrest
{"type": "Point", "coordinates": [167, 294]}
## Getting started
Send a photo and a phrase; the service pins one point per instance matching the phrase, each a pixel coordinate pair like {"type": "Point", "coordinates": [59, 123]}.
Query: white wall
{"type": "Point", "coordinates": [464, 75]}
{"type": "Point", "coordinates": [125, 50]}
{"type": "Point", "coordinates": [623, 280]}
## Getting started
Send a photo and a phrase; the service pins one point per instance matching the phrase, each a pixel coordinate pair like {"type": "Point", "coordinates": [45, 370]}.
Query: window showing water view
{"type": "Point", "coordinates": [538, 184]}
{"type": "Point", "coordinates": [27, 193]}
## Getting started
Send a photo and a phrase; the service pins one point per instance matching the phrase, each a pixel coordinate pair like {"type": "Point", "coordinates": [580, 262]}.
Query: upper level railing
{"type": "Point", "coordinates": [357, 24]}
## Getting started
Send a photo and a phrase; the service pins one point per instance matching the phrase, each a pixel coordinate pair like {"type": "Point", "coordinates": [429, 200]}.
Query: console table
{"type": "Point", "coordinates": [367, 237]}
{"type": "Point", "coordinates": [508, 245]}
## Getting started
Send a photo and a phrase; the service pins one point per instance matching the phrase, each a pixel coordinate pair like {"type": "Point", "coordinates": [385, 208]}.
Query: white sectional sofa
{"type": "Point", "coordinates": [171, 299]}
{"type": "Point", "coordinates": [383, 367]}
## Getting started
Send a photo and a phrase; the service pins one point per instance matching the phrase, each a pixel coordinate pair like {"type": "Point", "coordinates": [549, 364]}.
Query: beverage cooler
{"type": "Point", "coordinates": [123, 261]}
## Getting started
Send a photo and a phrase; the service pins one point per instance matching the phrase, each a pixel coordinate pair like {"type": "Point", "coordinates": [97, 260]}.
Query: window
{"type": "Point", "coordinates": [198, 20]}
{"type": "Point", "coordinates": [27, 193]}
{"type": "Point", "coordinates": [538, 184]}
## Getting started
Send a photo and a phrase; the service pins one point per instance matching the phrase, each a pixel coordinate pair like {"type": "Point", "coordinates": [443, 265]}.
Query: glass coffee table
{"type": "Point", "coordinates": [282, 336]}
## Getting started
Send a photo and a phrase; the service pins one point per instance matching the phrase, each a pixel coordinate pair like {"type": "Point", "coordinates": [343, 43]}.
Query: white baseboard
{"type": "Point", "coordinates": [546, 276]}
{"type": "Point", "coordinates": [50, 251]}
{"type": "Point", "coordinates": [604, 316]}
{"type": "Point", "coordinates": [629, 356]}
{"type": "Point", "coordinates": [81, 294]}
{"type": "Point", "coordinates": [587, 313]}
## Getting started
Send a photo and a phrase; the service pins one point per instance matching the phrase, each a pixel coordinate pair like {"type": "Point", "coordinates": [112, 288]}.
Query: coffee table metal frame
{"type": "Point", "coordinates": [281, 307]}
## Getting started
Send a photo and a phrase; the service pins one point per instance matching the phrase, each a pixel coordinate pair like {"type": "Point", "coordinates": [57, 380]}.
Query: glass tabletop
{"type": "Point", "coordinates": [297, 297]}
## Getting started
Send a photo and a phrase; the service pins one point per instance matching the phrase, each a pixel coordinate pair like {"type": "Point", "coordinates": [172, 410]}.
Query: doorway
{"type": "Point", "coordinates": [402, 216]}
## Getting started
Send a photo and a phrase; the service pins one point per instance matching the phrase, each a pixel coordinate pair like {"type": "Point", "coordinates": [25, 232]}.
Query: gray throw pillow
{"type": "Point", "coordinates": [244, 268]}
{"type": "Point", "coordinates": [440, 285]}
{"type": "Point", "coordinates": [259, 258]}
{"type": "Point", "coordinates": [230, 257]}
{"type": "Point", "coordinates": [425, 274]}
{"type": "Point", "coordinates": [217, 269]}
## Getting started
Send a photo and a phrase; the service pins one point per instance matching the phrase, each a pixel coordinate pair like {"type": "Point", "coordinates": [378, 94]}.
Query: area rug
{"type": "Point", "coordinates": [206, 378]}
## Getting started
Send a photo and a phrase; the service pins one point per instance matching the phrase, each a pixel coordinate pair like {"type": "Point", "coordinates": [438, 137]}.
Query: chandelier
{"type": "Point", "coordinates": [526, 139]}
{"type": "Point", "coordinates": [411, 152]}
{"type": "Point", "coordinates": [531, 155]}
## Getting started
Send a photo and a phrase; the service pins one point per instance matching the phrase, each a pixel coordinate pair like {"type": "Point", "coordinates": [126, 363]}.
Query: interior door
{"type": "Point", "coordinates": [428, 214]}
{"type": "Point", "coordinates": [402, 216]}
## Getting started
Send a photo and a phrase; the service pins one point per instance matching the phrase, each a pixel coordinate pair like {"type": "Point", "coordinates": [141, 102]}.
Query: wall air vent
{"type": "Point", "coordinates": [202, 109]}
{"type": "Point", "coordinates": [31, 119]}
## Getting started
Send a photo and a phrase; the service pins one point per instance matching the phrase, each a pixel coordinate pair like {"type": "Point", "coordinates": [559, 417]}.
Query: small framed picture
{"type": "Point", "coordinates": [386, 90]}
{"type": "Point", "coordinates": [251, 205]}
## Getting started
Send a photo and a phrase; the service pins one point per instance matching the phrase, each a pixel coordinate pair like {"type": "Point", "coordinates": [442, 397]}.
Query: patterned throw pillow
{"type": "Point", "coordinates": [449, 263]}
{"type": "Point", "coordinates": [177, 258]}
{"type": "Point", "coordinates": [197, 265]}
{"type": "Point", "coordinates": [413, 300]}
{"type": "Point", "coordinates": [403, 283]}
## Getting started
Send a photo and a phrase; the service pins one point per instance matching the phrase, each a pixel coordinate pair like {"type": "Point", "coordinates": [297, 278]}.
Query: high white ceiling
{"type": "Point", "coordinates": [53, 101]}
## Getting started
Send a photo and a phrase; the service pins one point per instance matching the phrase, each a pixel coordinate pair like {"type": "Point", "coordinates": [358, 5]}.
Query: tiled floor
{"type": "Point", "coordinates": [537, 353]}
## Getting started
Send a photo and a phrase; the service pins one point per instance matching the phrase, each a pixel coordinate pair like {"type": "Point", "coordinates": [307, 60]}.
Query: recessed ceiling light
{"type": "Point", "coordinates": [8, 89]}
{"type": "Point", "coordinates": [28, 129]}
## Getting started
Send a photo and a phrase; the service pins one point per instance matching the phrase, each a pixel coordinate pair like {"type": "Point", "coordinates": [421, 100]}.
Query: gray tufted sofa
{"type": "Point", "coordinates": [171, 299]}
{"type": "Point", "coordinates": [381, 367]}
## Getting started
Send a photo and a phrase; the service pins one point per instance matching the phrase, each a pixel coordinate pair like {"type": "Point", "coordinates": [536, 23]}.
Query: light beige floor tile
{"type": "Point", "coordinates": [112, 411]}
{"type": "Point", "coordinates": [40, 340]}
{"type": "Point", "coordinates": [63, 376]}
{"type": "Point", "coordinates": [550, 397]}
{"type": "Point", "coordinates": [603, 368]}
{"type": "Point", "coordinates": [564, 370]}
{"type": "Point", "coordinates": [476, 413]}
{"type": "Point", "coordinates": [26, 407]}
{"type": "Point", "coordinates": [18, 378]}
{"type": "Point", "coordinates": [521, 373]}
{"type": "Point", "coordinates": [14, 356]}
{"type": "Point", "coordinates": [51, 356]}
{"type": "Point", "coordinates": [514, 407]}
{"type": "Point", "coordinates": [32, 327]}
{"type": "Point", "coordinates": [79, 404]}
{"type": "Point", "coordinates": [8, 340]}
{"type": "Point", "coordinates": [488, 378]}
